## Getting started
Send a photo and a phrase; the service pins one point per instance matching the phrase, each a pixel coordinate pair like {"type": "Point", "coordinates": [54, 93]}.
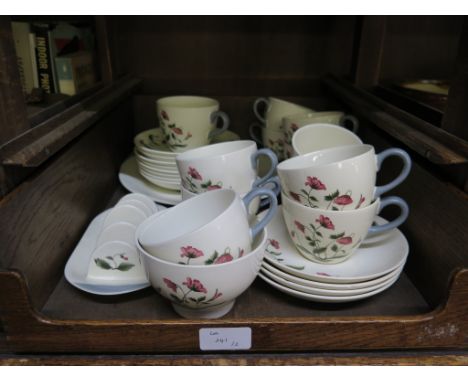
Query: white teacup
{"type": "Point", "coordinates": [189, 121]}
{"type": "Point", "coordinates": [230, 165]}
{"type": "Point", "coordinates": [200, 229]}
{"type": "Point", "coordinates": [339, 178]}
{"type": "Point", "coordinates": [275, 110]}
{"type": "Point", "coordinates": [292, 123]}
{"type": "Point", "coordinates": [319, 136]}
{"type": "Point", "coordinates": [330, 237]}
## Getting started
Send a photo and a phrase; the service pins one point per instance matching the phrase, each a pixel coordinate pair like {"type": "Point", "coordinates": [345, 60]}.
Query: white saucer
{"type": "Point", "coordinates": [377, 256]}
{"type": "Point", "coordinates": [333, 299]}
{"type": "Point", "coordinates": [132, 180]}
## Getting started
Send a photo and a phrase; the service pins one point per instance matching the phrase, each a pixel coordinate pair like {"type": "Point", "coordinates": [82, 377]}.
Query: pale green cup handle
{"type": "Point", "coordinates": [214, 119]}
{"type": "Point", "coordinates": [273, 163]}
{"type": "Point", "coordinates": [403, 174]}
{"type": "Point", "coordinates": [354, 122]}
{"type": "Point", "coordinates": [257, 102]}
{"type": "Point", "coordinates": [276, 189]}
{"type": "Point", "coordinates": [259, 192]}
{"type": "Point", "coordinates": [252, 131]}
{"type": "Point", "coordinates": [391, 200]}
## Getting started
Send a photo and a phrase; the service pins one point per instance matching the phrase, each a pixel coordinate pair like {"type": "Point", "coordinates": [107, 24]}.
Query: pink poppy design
{"type": "Point", "coordinates": [194, 285]}
{"type": "Point", "coordinates": [124, 257]}
{"type": "Point", "coordinates": [241, 253]}
{"type": "Point", "coordinates": [164, 115]}
{"type": "Point", "coordinates": [299, 226]}
{"type": "Point", "coordinates": [293, 127]}
{"type": "Point", "coordinates": [314, 183]}
{"type": "Point", "coordinates": [295, 196]}
{"type": "Point", "coordinates": [190, 252]}
{"type": "Point", "coordinates": [323, 274]}
{"type": "Point", "coordinates": [325, 222]}
{"type": "Point", "coordinates": [343, 200]}
{"type": "Point", "coordinates": [224, 259]}
{"type": "Point", "coordinates": [361, 200]}
{"type": "Point", "coordinates": [275, 243]}
{"type": "Point", "coordinates": [171, 285]}
{"type": "Point", "coordinates": [194, 173]}
{"type": "Point", "coordinates": [213, 187]}
{"type": "Point", "coordinates": [345, 240]}
{"type": "Point", "coordinates": [177, 130]}
{"type": "Point", "coordinates": [216, 295]}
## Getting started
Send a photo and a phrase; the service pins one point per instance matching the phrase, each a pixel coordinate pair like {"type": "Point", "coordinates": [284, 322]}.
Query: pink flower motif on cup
{"type": "Point", "coordinates": [274, 243]}
{"type": "Point", "coordinates": [171, 285]}
{"type": "Point", "coordinates": [343, 200]}
{"type": "Point", "coordinates": [361, 200]}
{"type": "Point", "coordinates": [164, 115]}
{"type": "Point", "coordinates": [194, 173]}
{"type": "Point", "coordinates": [293, 127]}
{"type": "Point", "coordinates": [299, 226]}
{"type": "Point", "coordinates": [224, 259]}
{"type": "Point", "coordinates": [325, 222]}
{"type": "Point", "coordinates": [295, 196]}
{"type": "Point", "coordinates": [345, 240]}
{"type": "Point", "coordinates": [214, 187]}
{"type": "Point", "coordinates": [194, 285]}
{"type": "Point", "coordinates": [315, 183]}
{"type": "Point", "coordinates": [177, 130]}
{"type": "Point", "coordinates": [190, 252]}
{"type": "Point", "coordinates": [323, 274]}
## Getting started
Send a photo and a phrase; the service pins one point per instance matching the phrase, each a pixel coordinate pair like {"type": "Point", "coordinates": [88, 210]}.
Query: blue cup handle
{"type": "Point", "coordinates": [253, 128]}
{"type": "Point", "coordinates": [273, 163]}
{"type": "Point", "coordinates": [214, 119]}
{"type": "Point", "coordinates": [257, 102]}
{"type": "Point", "coordinates": [391, 200]}
{"type": "Point", "coordinates": [276, 189]}
{"type": "Point", "coordinates": [403, 174]}
{"type": "Point", "coordinates": [259, 192]}
{"type": "Point", "coordinates": [353, 120]}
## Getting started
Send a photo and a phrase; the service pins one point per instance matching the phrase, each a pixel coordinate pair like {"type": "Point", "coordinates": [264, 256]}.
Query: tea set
{"type": "Point", "coordinates": [324, 243]}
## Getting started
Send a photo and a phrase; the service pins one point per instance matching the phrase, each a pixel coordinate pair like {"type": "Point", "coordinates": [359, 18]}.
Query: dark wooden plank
{"type": "Point", "coordinates": [13, 119]}
{"type": "Point", "coordinates": [370, 50]}
{"type": "Point", "coordinates": [43, 218]}
{"type": "Point", "coordinates": [456, 116]}
{"type": "Point", "coordinates": [103, 48]}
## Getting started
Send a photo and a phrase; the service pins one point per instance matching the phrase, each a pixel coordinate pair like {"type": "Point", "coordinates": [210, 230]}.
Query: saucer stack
{"type": "Point", "coordinates": [375, 266]}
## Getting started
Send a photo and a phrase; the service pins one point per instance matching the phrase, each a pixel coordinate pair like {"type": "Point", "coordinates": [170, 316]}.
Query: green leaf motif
{"type": "Point", "coordinates": [102, 264]}
{"type": "Point", "coordinates": [176, 298]}
{"type": "Point", "coordinates": [319, 234]}
{"type": "Point", "coordinates": [319, 250]}
{"type": "Point", "coordinates": [123, 267]}
{"type": "Point", "coordinates": [305, 192]}
{"type": "Point", "coordinates": [313, 198]}
{"type": "Point", "coordinates": [337, 236]}
{"type": "Point", "coordinates": [212, 259]}
{"type": "Point", "coordinates": [202, 298]}
{"type": "Point", "coordinates": [206, 184]}
{"type": "Point", "coordinates": [334, 248]}
{"type": "Point", "coordinates": [332, 196]}
{"type": "Point", "coordinates": [299, 268]}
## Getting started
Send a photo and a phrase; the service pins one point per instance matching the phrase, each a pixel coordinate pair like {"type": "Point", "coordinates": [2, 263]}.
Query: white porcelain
{"type": "Point", "coordinates": [125, 213]}
{"type": "Point", "coordinates": [206, 229]}
{"type": "Point", "coordinates": [325, 292]}
{"type": "Point", "coordinates": [167, 184]}
{"type": "Point", "coordinates": [120, 231]}
{"type": "Point", "coordinates": [141, 198]}
{"type": "Point", "coordinates": [230, 165]}
{"type": "Point", "coordinates": [291, 123]}
{"type": "Point", "coordinates": [138, 204]}
{"type": "Point", "coordinates": [189, 121]}
{"type": "Point", "coordinates": [329, 286]}
{"type": "Point", "coordinates": [156, 174]}
{"type": "Point", "coordinates": [331, 237]}
{"type": "Point", "coordinates": [339, 178]}
{"type": "Point", "coordinates": [376, 256]}
{"type": "Point", "coordinates": [158, 170]}
{"type": "Point", "coordinates": [327, 299]}
{"type": "Point", "coordinates": [319, 136]}
{"type": "Point", "coordinates": [203, 292]}
{"type": "Point", "coordinates": [76, 269]}
{"type": "Point", "coordinates": [153, 143]}
{"type": "Point", "coordinates": [132, 180]}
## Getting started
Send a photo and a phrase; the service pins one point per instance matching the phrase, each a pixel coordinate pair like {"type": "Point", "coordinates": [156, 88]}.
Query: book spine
{"type": "Point", "coordinates": [32, 47]}
{"type": "Point", "coordinates": [20, 32]}
{"type": "Point", "coordinates": [44, 66]}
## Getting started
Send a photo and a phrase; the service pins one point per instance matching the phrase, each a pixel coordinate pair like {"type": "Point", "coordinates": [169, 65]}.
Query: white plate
{"type": "Point", "coordinates": [160, 162]}
{"type": "Point", "coordinates": [170, 185]}
{"type": "Point", "coordinates": [141, 198]}
{"type": "Point", "coordinates": [328, 286]}
{"type": "Point", "coordinates": [76, 269]}
{"type": "Point", "coordinates": [125, 213]}
{"type": "Point", "coordinates": [376, 256]}
{"type": "Point", "coordinates": [332, 299]}
{"type": "Point", "coordinates": [158, 170]}
{"type": "Point", "coordinates": [132, 180]}
{"type": "Point", "coordinates": [325, 292]}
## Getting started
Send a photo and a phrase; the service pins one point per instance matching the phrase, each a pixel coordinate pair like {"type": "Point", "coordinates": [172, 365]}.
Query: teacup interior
{"type": "Point", "coordinates": [215, 150]}
{"type": "Point", "coordinates": [186, 217]}
{"type": "Point", "coordinates": [187, 102]}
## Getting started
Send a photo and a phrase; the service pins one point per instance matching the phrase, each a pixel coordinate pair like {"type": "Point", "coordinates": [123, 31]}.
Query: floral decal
{"type": "Point", "coordinates": [118, 262]}
{"type": "Point", "coordinates": [175, 137]}
{"type": "Point", "coordinates": [320, 241]}
{"type": "Point", "coordinates": [273, 248]}
{"type": "Point", "coordinates": [277, 146]}
{"type": "Point", "coordinates": [190, 252]}
{"type": "Point", "coordinates": [190, 292]}
{"type": "Point", "coordinates": [310, 196]}
{"type": "Point", "coordinates": [194, 182]}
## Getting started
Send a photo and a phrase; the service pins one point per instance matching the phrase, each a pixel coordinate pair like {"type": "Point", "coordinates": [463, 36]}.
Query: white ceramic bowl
{"type": "Point", "coordinates": [198, 291]}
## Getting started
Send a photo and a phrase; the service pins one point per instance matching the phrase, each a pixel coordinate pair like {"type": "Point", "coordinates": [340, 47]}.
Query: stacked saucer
{"type": "Point", "coordinates": [156, 162]}
{"type": "Point", "coordinates": [376, 265]}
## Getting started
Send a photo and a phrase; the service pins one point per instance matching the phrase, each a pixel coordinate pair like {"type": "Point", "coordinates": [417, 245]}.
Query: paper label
{"type": "Point", "coordinates": [225, 338]}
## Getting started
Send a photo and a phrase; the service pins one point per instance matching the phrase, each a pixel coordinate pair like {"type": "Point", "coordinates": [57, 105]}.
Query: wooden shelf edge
{"type": "Point", "coordinates": [433, 143]}
{"type": "Point", "coordinates": [36, 145]}
{"type": "Point", "coordinates": [28, 330]}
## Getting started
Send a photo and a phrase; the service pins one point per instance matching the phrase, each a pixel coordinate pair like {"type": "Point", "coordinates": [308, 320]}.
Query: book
{"type": "Point", "coordinates": [75, 72]}
{"type": "Point", "coordinates": [25, 54]}
{"type": "Point", "coordinates": [44, 59]}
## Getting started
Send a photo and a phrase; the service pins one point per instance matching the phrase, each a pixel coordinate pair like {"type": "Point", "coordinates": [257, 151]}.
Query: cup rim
{"type": "Point", "coordinates": [328, 212]}
{"type": "Point", "coordinates": [184, 205]}
{"type": "Point", "coordinates": [285, 165]}
{"type": "Point", "coordinates": [166, 101]}
{"type": "Point", "coordinates": [261, 242]}
{"type": "Point", "coordinates": [203, 152]}
{"type": "Point", "coordinates": [304, 116]}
